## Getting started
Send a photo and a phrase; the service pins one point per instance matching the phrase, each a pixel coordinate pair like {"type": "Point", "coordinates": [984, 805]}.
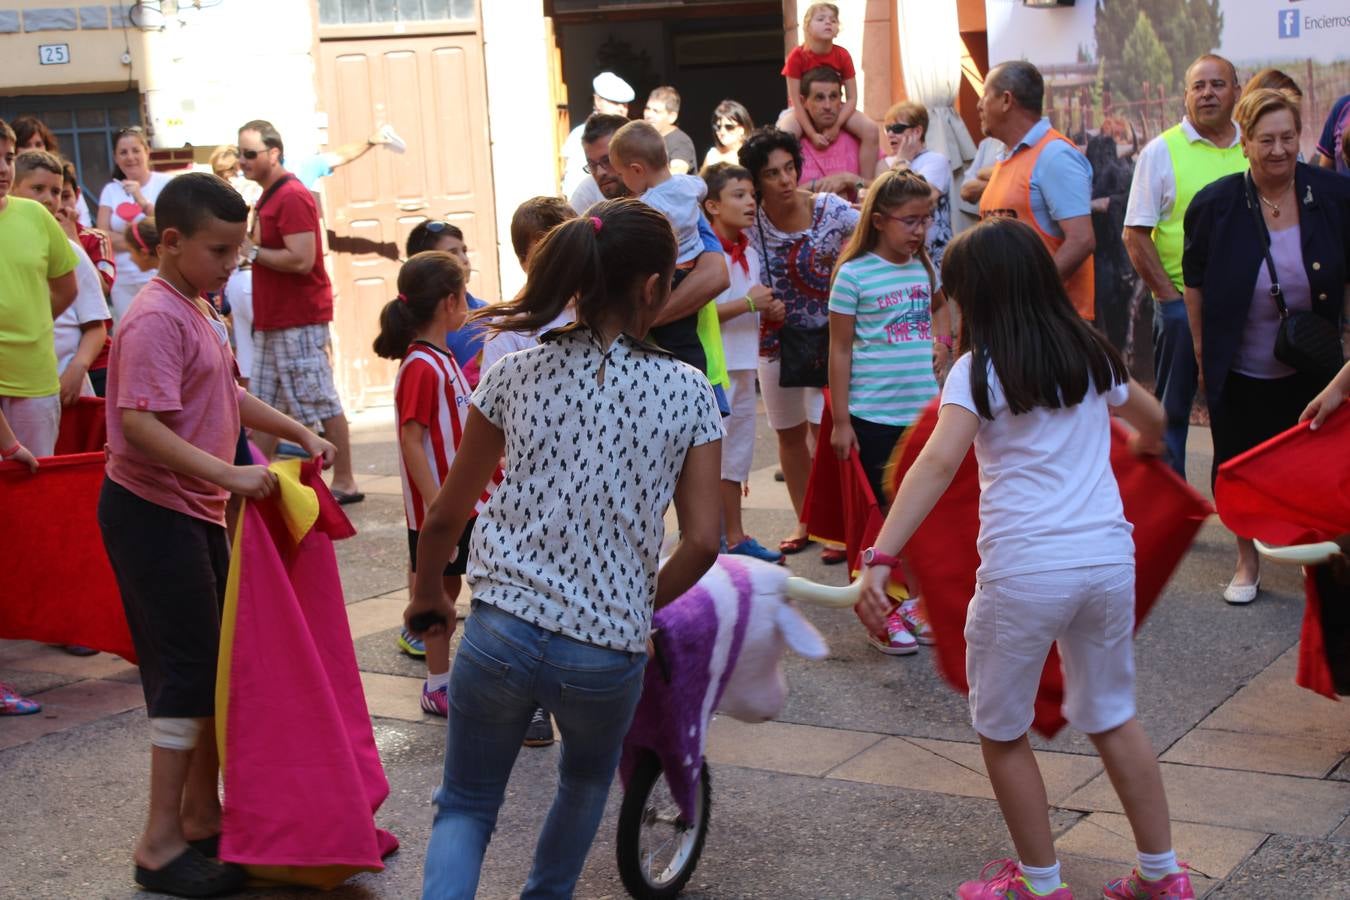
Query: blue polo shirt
{"type": "Point", "coordinates": [1061, 183]}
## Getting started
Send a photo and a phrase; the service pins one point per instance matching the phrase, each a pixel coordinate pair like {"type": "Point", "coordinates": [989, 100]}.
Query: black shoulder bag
{"type": "Point", "coordinates": [803, 353]}
{"type": "Point", "coordinates": [1305, 341]}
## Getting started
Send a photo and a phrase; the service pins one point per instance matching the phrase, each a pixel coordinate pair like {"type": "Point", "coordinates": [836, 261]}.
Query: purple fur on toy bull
{"type": "Point", "coordinates": [729, 629]}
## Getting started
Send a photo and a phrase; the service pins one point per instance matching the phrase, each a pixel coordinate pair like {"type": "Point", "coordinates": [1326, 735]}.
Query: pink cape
{"type": "Point", "coordinates": [302, 774]}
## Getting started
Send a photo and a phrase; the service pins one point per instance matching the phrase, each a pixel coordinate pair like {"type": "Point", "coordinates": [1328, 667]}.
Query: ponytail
{"type": "Point", "coordinates": [423, 284]}
{"type": "Point", "coordinates": [144, 236]}
{"type": "Point", "coordinates": [596, 259]}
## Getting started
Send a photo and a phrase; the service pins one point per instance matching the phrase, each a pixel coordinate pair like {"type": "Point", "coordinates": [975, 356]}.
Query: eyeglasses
{"type": "Point", "coordinates": [602, 163]}
{"type": "Point", "coordinates": [912, 222]}
{"type": "Point", "coordinates": [898, 127]}
{"type": "Point", "coordinates": [726, 126]}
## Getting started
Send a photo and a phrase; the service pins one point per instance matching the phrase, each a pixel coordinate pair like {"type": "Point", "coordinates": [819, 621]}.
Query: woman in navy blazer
{"type": "Point", "coordinates": [1233, 316]}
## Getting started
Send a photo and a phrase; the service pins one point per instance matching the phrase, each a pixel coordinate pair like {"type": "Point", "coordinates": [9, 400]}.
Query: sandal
{"type": "Point", "coordinates": [192, 875]}
{"type": "Point", "coordinates": [207, 846]}
{"type": "Point", "coordinates": [832, 556]}
{"type": "Point", "coordinates": [344, 497]}
{"type": "Point", "coordinates": [789, 546]}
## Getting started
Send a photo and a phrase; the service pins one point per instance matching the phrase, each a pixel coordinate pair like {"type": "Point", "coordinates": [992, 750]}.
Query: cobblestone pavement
{"type": "Point", "coordinates": [870, 785]}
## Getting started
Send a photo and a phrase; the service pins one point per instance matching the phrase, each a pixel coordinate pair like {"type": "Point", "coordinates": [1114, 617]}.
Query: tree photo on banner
{"type": "Point", "coordinates": [1114, 73]}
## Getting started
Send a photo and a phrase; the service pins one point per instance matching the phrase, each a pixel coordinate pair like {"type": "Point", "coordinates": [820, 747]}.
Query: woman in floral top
{"type": "Point", "coordinates": [799, 235]}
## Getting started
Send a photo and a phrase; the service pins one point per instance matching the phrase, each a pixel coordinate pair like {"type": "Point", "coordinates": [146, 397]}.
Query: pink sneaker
{"type": "Point", "coordinates": [899, 642]}
{"type": "Point", "coordinates": [1007, 883]}
{"type": "Point", "coordinates": [911, 611]}
{"type": "Point", "coordinates": [436, 702]}
{"type": "Point", "coordinates": [1176, 886]}
{"type": "Point", "coordinates": [12, 703]}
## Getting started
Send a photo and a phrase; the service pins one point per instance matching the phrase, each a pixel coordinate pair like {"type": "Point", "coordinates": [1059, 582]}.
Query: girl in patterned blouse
{"type": "Point", "coordinates": [599, 431]}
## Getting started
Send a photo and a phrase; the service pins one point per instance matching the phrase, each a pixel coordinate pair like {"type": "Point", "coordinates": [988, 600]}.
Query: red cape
{"type": "Point", "coordinates": [64, 591]}
{"type": "Point", "coordinates": [942, 555]}
{"type": "Point", "coordinates": [1294, 489]}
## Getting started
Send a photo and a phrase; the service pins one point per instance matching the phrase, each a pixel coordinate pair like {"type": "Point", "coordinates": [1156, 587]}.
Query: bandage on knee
{"type": "Point", "coordinates": [175, 734]}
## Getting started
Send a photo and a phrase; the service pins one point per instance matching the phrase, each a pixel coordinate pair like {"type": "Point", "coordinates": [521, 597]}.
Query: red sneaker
{"type": "Point", "coordinates": [1006, 883]}
{"type": "Point", "coordinates": [1176, 886]}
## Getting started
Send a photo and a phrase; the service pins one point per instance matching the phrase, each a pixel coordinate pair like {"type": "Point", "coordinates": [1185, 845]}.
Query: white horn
{"type": "Point", "coordinates": [1299, 554]}
{"type": "Point", "coordinates": [807, 591]}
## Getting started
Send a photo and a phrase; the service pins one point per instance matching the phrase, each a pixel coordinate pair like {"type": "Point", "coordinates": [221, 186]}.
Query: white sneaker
{"type": "Point", "coordinates": [392, 141]}
{"type": "Point", "coordinates": [1241, 594]}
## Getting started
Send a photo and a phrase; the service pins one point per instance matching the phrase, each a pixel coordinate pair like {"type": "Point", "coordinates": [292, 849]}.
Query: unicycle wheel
{"type": "Point", "coordinates": [658, 849]}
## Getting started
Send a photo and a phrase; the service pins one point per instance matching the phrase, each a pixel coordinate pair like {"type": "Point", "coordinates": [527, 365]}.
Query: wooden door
{"type": "Point", "coordinates": [431, 90]}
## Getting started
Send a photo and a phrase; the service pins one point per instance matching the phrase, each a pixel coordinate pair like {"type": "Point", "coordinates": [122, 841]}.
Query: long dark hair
{"type": "Point", "coordinates": [599, 259]}
{"type": "Point", "coordinates": [423, 283]}
{"type": "Point", "coordinates": [736, 112]}
{"type": "Point", "coordinates": [27, 126]}
{"type": "Point", "coordinates": [1016, 315]}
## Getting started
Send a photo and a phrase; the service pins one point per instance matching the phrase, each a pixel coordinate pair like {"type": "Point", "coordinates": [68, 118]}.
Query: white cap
{"type": "Point", "coordinates": [612, 88]}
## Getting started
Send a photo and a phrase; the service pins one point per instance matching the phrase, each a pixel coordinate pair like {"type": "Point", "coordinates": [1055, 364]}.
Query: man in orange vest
{"type": "Point", "coordinates": [1042, 178]}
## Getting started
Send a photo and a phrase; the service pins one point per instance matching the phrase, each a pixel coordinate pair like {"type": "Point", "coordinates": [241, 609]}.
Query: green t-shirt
{"type": "Point", "coordinates": [33, 249]}
{"type": "Point", "coordinates": [891, 379]}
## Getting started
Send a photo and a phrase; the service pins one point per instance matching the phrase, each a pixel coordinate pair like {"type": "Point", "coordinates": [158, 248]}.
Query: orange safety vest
{"type": "Point", "coordinates": [1009, 194]}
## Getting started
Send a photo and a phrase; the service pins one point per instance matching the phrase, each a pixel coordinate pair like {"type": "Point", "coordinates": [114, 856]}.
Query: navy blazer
{"type": "Point", "coordinates": [1224, 253]}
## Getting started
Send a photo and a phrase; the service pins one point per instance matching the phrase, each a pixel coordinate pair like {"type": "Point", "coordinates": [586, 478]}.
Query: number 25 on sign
{"type": "Point", "coordinates": [53, 54]}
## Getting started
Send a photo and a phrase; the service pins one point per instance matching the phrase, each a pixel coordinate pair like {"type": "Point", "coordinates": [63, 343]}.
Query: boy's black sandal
{"type": "Point", "coordinates": [192, 875]}
{"type": "Point", "coordinates": [207, 846]}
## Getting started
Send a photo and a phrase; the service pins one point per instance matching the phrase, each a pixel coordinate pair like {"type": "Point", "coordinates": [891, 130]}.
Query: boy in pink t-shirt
{"type": "Point", "coordinates": [820, 24]}
{"type": "Point", "coordinates": [174, 415]}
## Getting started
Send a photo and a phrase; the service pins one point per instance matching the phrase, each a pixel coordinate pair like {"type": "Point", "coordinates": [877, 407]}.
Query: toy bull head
{"type": "Point", "coordinates": [1335, 554]}
{"type": "Point", "coordinates": [720, 648]}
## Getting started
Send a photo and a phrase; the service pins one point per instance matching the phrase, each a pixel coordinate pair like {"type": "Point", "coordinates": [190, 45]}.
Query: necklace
{"type": "Point", "coordinates": [1274, 207]}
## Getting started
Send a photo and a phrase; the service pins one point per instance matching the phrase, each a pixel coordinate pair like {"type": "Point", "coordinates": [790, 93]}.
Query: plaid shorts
{"type": "Point", "coordinates": [292, 372]}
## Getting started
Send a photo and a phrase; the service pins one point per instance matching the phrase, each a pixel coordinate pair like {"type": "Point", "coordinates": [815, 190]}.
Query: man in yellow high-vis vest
{"type": "Point", "coordinates": [1172, 168]}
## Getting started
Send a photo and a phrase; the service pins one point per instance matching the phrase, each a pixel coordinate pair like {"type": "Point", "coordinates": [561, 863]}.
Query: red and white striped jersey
{"type": "Point", "coordinates": [431, 390]}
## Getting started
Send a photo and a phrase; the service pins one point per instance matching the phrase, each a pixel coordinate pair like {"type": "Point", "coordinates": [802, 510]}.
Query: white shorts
{"type": "Point", "coordinates": [738, 447]}
{"type": "Point", "coordinates": [35, 421]}
{"type": "Point", "coordinates": [788, 407]}
{"type": "Point", "coordinates": [239, 291]}
{"type": "Point", "coordinates": [1010, 625]}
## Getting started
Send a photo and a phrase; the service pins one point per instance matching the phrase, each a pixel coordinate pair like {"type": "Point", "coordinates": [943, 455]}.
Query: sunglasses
{"type": "Point", "coordinates": [437, 227]}
{"type": "Point", "coordinates": [727, 126]}
{"type": "Point", "coordinates": [130, 129]}
{"type": "Point", "coordinates": [253, 154]}
{"type": "Point", "coordinates": [898, 127]}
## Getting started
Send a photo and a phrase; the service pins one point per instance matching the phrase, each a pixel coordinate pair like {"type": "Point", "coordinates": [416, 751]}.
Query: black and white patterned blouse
{"type": "Point", "coordinates": [595, 441]}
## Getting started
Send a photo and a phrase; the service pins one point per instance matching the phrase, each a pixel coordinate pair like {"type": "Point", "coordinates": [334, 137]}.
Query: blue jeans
{"type": "Point", "coordinates": [1174, 371]}
{"type": "Point", "coordinates": [504, 668]}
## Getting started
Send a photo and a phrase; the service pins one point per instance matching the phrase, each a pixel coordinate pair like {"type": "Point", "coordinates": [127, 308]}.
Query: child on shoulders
{"type": "Point", "coordinates": [820, 25]}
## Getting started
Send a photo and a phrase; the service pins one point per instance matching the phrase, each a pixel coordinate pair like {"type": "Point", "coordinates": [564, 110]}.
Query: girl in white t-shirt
{"type": "Point", "coordinates": [128, 198]}
{"type": "Point", "coordinates": [600, 430]}
{"type": "Point", "coordinates": [1033, 391]}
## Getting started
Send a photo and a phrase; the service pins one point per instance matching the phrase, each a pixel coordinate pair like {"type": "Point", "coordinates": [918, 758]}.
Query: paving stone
{"type": "Point", "coordinates": [1292, 867]}
{"type": "Point", "coordinates": [782, 746]}
{"type": "Point", "coordinates": [376, 614]}
{"type": "Point", "coordinates": [1063, 773]}
{"type": "Point", "coordinates": [1211, 851]}
{"type": "Point", "coordinates": [1086, 876]}
{"type": "Point", "coordinates": [41, 658]}
{"type": "Point", "coordinates": [73, 704]}
{"type": "Point", "coordinates": [1272, 704]}
{"type": "Point", "coordinates": [1278, 804]}
{"type": "Point", "coordinates": [898, 762]}
{"type": "Point", "coordinates": [395, 697]}
{"type": "Point", "coordinates": [1278, 754]}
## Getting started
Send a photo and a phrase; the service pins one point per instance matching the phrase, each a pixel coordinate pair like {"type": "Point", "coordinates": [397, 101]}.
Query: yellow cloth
{"type": "Point", "coordinates": [33, 249]}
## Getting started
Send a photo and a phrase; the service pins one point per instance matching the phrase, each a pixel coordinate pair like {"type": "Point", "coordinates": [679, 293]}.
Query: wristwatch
{"type": "Point", "coordinates": [874, 557]}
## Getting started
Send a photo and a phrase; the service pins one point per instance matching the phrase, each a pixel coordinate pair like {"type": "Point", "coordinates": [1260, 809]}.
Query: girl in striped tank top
{"type": "Point", "coordinates": [889, 331]}
{"type": "Point", "coordinates": [431, 397]}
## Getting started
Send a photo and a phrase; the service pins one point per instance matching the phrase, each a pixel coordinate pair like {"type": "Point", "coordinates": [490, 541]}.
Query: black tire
{"type": "Point", "coordinates": [635, 815]}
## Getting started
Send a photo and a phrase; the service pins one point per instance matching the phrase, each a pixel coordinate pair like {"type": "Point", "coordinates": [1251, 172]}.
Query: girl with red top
{"type": "Point", "coordinates": [431, 395]}
{"type": "Point", "coordinates": [820, 24]}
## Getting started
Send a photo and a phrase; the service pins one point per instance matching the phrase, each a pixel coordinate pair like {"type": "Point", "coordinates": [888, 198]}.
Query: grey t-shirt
{"type": "Point", "coordinates": [680, 146]}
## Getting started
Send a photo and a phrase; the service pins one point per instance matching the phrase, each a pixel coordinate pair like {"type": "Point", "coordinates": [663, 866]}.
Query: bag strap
{"type": "Point", "coordinates": [1254, 204]}
{"type": "Point", "coordinates": [267, 194]}
{"type": "Point", "coordinates": [763, 247]}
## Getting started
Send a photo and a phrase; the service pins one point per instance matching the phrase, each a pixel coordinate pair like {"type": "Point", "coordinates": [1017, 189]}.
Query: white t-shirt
{"type": "Point", "coordinates": [1048, 497]}
{"type": "Point", "coordinates": [89, 306]}
{"type": "Point", "coordinates": [740, 336]}
{"type": "Point", "coordinates": [574, 159]}
{"type": "Point", "coordinates": [595, 441]}
{"type": "Point", "coordinates": [1154, 187]}
{"type": "Point", "coordinates": [585, 196]}
{"type": "Point", "coordinates": [125, 211]}
{"type": "Point", "coordinates": [500, 343]}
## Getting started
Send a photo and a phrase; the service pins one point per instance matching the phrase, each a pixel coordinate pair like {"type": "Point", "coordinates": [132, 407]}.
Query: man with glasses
{"type": "Point", "coordinates": [292, 303]}
{"type": "Point", "coordinates": [1172, 169]}
{"type": "Point", "coordinates": [610, 96]}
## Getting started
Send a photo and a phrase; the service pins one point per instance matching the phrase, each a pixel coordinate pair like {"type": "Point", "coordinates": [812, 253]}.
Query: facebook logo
{"type": "Point", "coordinates": [1289, 24]}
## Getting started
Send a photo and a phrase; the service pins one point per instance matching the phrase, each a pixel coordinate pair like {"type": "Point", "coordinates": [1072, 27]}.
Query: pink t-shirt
{"type": "Point", "coordinates": [169, 358]}
{"type": "Point", "coordinates": [841, 156]}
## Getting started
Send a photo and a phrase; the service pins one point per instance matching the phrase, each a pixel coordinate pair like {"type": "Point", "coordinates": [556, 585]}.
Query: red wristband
{"type": "Point", "coordinates": [12, 451]}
